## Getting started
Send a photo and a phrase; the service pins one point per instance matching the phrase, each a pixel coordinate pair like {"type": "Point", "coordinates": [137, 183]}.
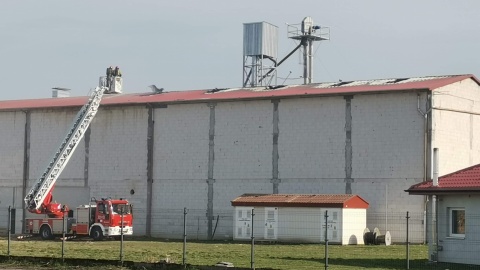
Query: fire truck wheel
{"type": "Point", "coordinates": [46, 232]}
{"type": "Point", "coordinates": [96, 233]}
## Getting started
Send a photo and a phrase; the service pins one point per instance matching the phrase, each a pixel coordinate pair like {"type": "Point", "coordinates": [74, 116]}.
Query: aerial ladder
{"type": "Point", "coordinates": [99, 218]}
{"type": "Point", "coordinates": [39, 198]}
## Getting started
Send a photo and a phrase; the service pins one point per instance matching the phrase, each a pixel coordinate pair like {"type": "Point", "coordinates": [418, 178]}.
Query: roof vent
{"type": "Point", "coordinates": [58, 92]}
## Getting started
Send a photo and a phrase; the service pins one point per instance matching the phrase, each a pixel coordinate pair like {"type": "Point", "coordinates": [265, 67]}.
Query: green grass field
{"type": "Point", "coordinates": [276, 256]}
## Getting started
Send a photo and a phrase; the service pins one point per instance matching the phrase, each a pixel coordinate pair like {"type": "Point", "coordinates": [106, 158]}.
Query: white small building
{"type": "Point", "coordinates": [453, 216]}
{"type": "Point", "coordinates": [301, 217]}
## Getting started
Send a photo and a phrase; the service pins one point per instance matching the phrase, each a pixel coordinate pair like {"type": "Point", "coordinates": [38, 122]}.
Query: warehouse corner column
{"type": "Point", "coordinates": [26, 164]}
{"type": "Point", "coordinates": [211, 161]}
{"type": "Point", "coordinates": [150, 140]}
{"type": "Point", "coordinates": [348, 144]}
{"type": "Point", "coordinates": [276, 132]}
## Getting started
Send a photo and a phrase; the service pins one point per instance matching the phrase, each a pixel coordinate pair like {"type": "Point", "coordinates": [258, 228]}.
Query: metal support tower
{"type": "Point", "coordinates": [307, 33]}
{"type": "Point", "coordinates": [259, 54]}
{"type": "Point", "coordinates": [257, 72]}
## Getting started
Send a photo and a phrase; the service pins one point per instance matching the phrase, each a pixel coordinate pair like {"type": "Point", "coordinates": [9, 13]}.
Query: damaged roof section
{"type": "Point", "coordinates": [230, 94]}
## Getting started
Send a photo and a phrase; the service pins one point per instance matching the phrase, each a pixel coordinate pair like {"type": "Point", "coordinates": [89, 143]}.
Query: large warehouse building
{"type": "Point", "coordinates": [201, 149]}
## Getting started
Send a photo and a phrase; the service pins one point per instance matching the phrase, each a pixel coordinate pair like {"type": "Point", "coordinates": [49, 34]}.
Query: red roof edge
{"type": "Point", "coordinates": [356, 202]}
{"type": "Point", "coordinates": [473, 78]}
{"type": "Point", "coordinates": [286, 204]}
{"type": "Point", "coordinates": [350, 201]}
{"type": "Point", "coordinates": [446, 81]}
{"type": "Point", "coordinates": [451, 183]}
{"type": "Point", "coordinates": [459, 171]}
{"type": "Point", "coordinates": [294, 91]}
{"type": "Point", "coordinates": [439, 190]}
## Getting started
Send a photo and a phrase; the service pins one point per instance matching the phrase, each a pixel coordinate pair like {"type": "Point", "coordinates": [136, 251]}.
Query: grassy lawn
{"type": "Point", "coordinates": [276, 256]}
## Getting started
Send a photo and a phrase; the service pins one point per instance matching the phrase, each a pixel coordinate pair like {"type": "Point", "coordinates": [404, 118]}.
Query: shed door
{"type": "Point", "coordinates": [243, 222]}
{"type": "Point", "coordinates": [333, 227]}
{"type": "Point", "coordinates": [271, 222]}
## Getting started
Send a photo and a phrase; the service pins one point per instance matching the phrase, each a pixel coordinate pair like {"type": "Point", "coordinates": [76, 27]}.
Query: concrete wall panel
{"type": "Point", "coordinates": [312, 186]}
{"type": "Point", "coordinates": [118, 158]}
{"type": "Point", "coordinates": [456, 125]}
{"type": "Point", "coordinates": [11, 197]}
{"type": "Point", "coordinates": [169, 199]}
{"type": "Point", "coordinates": [48, 130]}
{"type": "Point", "coordinates": [312, 138]}
{"type": "Point", "coordinates": [12, 134]}
{"type": "Point", "coordinates": [181, 142]}
{"type": "Point", "coordinates": [243, 140]}
{"type": "Point", "coordinates": [387, 137]}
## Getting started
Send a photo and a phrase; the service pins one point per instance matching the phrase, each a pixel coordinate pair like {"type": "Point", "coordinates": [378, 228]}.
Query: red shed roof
{"type": "Point", "coordinates": [334, 88]}
{"type": "Point", "coordinates": [301, 200]}
{"type": "Point", "coordinates": [466, 180]}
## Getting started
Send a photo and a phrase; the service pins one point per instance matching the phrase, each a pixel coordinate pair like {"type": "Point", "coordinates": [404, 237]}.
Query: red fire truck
{"type": "Point", "coordinates": [97, 219]}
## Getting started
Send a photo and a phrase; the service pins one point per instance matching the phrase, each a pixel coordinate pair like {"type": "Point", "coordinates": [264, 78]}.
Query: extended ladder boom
{"type": "Point", "coordinates": [36, 197]}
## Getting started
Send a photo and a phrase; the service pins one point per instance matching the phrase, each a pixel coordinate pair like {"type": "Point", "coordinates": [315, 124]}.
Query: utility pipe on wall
{"type": "Point", "coordinates": [435, 167]}
{"type": "Point", "coordinates": [425, 149]}
{"type": "Point", "coordinates": [434, 244]}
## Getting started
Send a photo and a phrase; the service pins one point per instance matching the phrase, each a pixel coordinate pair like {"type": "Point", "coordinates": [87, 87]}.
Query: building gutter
{"type": "Point", "coordinates": [443, 192]}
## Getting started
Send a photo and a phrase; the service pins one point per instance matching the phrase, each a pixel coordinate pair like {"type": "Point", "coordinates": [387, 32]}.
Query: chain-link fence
{"type": "Point", "coordinates": [338, 237]}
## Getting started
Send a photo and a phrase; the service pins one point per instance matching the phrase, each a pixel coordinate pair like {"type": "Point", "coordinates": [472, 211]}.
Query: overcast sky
{"type": "Point", "coordinates": [192, 44]}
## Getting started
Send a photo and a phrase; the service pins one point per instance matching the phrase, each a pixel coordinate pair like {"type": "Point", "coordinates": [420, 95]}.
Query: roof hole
{"type": "Point", "coordinates": [398, 80]}
{"type": "Point", "coordinates": [340, 84]}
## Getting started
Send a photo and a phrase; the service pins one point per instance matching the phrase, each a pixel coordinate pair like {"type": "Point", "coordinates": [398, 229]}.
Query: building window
{"type": "Point", "coordinates": [457, 222]}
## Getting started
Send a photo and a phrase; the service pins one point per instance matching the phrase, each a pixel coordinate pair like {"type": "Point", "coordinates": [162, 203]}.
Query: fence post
{"type": "Point", "coordinates": [252, 251]}
{"type": "Point", "coordinates": [9, 229]}
{"type": "Point", "coordinates": [63, 234]}
{"type": "Point", "coordinates": [184, 260]}
{"type": "Point", "coordinates": [326, 239]}
{"type": "Point", "coordinates": [408, 245]}
{"type": "Point", "coordinates": [122, 211]}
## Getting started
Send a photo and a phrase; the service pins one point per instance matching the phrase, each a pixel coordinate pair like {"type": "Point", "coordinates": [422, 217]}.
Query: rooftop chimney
{"type": "Point", "coordinates": [58, 92]}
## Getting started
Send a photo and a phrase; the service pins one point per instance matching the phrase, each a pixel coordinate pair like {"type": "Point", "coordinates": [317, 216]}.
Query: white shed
{"type": "Point", "coordinates": [301, 217]}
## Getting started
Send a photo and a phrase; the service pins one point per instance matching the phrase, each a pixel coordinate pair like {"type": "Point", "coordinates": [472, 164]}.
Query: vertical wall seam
{"type": "Point", "coordinates": [211, 162]}
{"type": "Point", "coordinates": [431, 135]}
{"type": "Point", "coordinates": [471, 139]}
{"type": "Point", "coordinates": [348, 144]}
{"type": "Point", "coordinates": [26, 163]}
{"type": "Point", "coordinates": [150, 144]}
{"type": "Point", "coordinates": [87, 156]}
{"type": "Point", "coordinates": [276, 132]}
{"type": "Point", "coordinates": [471, 132]}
